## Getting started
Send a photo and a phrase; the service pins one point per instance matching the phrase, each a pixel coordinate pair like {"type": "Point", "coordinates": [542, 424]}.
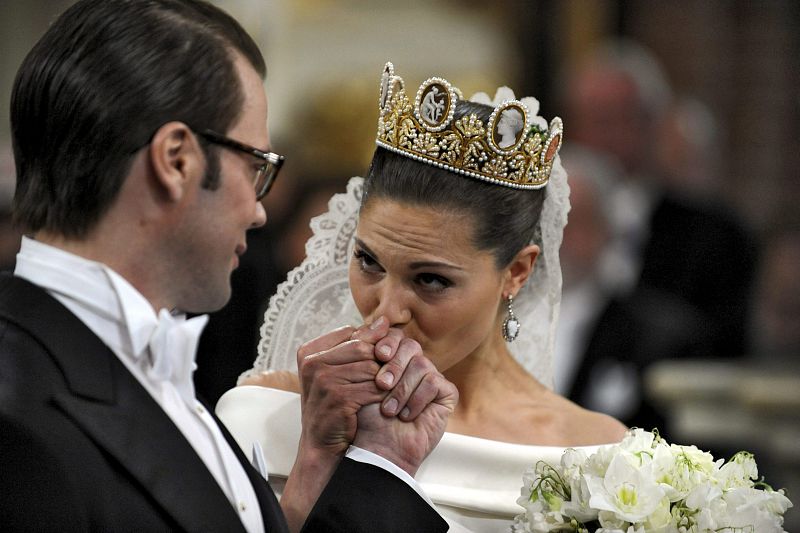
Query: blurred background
{"type": "Point", "coordinates": [682, 121]}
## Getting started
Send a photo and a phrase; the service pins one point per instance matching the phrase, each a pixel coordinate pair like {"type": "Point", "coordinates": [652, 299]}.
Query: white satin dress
{"type": "Point", "coordinates": [473, 482]}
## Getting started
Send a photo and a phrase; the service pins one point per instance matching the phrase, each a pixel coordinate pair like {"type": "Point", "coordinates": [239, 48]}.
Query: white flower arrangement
{"type": "Point", "coordinates": [646, 485]}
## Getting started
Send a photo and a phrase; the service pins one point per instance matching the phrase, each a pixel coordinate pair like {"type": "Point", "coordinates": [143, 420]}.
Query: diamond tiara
{"type": "Point", "coordinates": [508, 150]}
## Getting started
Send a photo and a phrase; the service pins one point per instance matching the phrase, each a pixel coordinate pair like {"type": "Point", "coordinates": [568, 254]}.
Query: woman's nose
{"type": "Point", "coordinates": [393, 303]}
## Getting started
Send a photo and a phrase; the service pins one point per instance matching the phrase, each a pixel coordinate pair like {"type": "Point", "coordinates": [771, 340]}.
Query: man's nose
{"type": "Point", "coordinates": [260, 216]}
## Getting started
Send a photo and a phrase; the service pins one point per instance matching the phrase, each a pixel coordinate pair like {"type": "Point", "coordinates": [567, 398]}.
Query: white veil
{"type": "Point", "coordinates": [315, 298]}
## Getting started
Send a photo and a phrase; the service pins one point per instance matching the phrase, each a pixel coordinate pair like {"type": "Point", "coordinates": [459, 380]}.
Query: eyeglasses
{"type": "Point", "coordinates": [265, 174]}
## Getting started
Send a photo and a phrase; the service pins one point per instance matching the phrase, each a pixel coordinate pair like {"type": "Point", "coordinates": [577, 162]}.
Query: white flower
{"type": "Point", "coordinates": [749, 507]}
{"type": "Point", "coordinates": [611, 522]}
{"type": "Point", "coordinates": [679, 469]}
{"type": "Point", "coordinates": [701, 496]}
{"type": "Point", "coordinates": [740, 471]}
{"type": "Point", "coordinates": [660, 519]}
{"type": "Point", "coordinates": [572, 473]}
{"type": "Point", "coordinates": [599, 461]}
{"type": "Point", "coordinates": [539, 522]}
{"type": "Point", "coordinates": [629, 492]}
{"type": "Point", "coordinates": [646, 485]}
{"type": "Point", "coordinates": [638, 441]}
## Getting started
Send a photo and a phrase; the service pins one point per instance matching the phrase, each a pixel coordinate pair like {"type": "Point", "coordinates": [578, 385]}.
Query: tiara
{"type": "Point", "coordinates": [511, 149]}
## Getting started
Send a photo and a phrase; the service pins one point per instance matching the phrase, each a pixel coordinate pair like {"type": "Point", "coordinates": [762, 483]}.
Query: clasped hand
{"type": "Point", "coordinates": [374, 388]}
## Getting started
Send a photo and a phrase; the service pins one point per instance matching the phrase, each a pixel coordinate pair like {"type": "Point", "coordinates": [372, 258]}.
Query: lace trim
{"type": "Point", "coordinates": [315, 298]}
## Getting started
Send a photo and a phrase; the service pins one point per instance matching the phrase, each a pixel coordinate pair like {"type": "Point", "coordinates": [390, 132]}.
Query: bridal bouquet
{"type": "Point", "coordinates": [646, 485]}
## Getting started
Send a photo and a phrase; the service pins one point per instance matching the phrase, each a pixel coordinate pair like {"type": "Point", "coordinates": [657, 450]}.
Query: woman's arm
{"type": "Point", "coordinates": [275, 379]}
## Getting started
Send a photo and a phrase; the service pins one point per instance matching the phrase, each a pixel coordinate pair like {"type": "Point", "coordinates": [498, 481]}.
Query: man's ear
{"type": "Point", "coordinates": [176, 158]}
{"type": "Point", "coordinates": [520, 269]}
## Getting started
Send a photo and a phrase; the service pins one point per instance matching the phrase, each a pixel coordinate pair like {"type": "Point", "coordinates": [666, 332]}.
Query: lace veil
{"type": "Point", "coordinates": [315, 298]}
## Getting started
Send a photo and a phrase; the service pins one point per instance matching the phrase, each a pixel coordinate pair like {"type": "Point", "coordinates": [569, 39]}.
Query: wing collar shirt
{"type": "Point", "coordinates": [159, 350]}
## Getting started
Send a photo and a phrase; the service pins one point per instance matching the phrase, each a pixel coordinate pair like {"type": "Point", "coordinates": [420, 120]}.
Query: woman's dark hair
{"type": "Point", "coordinates": [96, 87]}
{"type": "Point", "coordinates": [505, 218]}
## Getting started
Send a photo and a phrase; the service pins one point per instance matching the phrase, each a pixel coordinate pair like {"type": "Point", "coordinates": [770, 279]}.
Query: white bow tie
{"type": "Point", "coordinates": [173, 348]}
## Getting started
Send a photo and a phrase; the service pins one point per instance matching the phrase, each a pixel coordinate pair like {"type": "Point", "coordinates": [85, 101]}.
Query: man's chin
{"type": "Point", "coordinates": [209, 302]}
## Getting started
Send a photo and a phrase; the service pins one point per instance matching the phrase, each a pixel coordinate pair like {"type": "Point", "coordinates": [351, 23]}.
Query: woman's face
{"type": "Point", "coordinates": [418, 267]}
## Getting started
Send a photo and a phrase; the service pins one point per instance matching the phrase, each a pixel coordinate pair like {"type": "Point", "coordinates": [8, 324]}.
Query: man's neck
{"type": "Point", "coordinates": [115, 255]}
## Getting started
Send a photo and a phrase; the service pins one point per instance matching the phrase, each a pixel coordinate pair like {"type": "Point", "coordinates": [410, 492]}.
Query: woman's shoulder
{"type": "Point", "coordinates": [589, 427]}
{"type": "Point", "coordinates": [275, 379]}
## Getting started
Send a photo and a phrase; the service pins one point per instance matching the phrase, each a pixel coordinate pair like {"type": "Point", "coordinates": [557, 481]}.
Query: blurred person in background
{"type": "Point", "coordinates": [608, 336]}
{"type": "Point", "coordinates": [776, 317]}
{"type": "Point", "coordinates": [687, 150]}
{"type": "Point", "coordinates": [586, 281]}
{"type": "Point", "coordinates": [695, 258]}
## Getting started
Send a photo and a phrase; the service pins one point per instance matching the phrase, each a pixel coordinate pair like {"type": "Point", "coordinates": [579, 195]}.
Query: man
{"type": "Point", "coordinates": [682, 272]}
{"type": "Point", "coordinates": [133, 124]}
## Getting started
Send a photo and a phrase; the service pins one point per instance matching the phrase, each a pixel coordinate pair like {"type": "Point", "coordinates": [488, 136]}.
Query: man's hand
{"type": "Point", "coordinates": [337, 377]}
{"type": "Point", "coordinates": [337, 374]}
{"type": "Point", "coordinates": [347, 396]}
{"type": "Point", "coordinates": [425, 401]}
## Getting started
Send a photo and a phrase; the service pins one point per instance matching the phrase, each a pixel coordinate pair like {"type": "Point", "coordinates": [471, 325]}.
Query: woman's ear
{"type": "Point", "coordinates": [520, 269]}
{"type": "Point", "coordinates": [176, 159]}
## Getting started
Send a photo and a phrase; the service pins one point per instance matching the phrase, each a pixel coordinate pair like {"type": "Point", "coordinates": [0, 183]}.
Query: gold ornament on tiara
{"type": "Point", "coordinates": [508, 150]}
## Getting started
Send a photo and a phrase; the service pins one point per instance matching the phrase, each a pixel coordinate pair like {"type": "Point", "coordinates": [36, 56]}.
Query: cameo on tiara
{"type": "Point", "coordinates": [507, 126]}
{"type": "Point", "coordinates": [435, 104]}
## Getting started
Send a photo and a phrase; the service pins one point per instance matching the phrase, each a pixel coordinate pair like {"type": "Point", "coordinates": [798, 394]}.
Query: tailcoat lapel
{"type": "Point", "coordinates": [118, 414]}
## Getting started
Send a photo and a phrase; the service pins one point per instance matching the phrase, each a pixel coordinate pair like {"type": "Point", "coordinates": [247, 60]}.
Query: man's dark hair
{"type": "Point", "coordinates": [96, 87]}
{"type": "Point", "coordinates": [505, 219]}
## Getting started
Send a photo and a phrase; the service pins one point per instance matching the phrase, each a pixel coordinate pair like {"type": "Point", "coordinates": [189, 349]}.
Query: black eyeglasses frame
{"type": "Point", "coordinates": [266, 174]}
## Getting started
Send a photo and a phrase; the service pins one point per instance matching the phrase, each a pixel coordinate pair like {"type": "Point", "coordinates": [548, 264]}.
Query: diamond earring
{"type": "Point", "coordinates": [511, 325]}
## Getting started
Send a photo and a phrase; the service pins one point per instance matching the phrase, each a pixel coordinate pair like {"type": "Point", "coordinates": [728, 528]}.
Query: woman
{"type": "Point", "coordinates": [463, 203]}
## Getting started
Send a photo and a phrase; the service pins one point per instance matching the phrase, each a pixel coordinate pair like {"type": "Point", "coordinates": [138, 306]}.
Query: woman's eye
{"type": "Point", "coordinates": [433, 282]}
{"type": "Point", "coordinates": [365, 261]}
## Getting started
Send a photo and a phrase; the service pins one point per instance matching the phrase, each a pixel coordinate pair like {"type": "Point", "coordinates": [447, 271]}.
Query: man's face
{"type": "Point", "coordinates": [212, 237]}
{"type": "Point", "coordinates": [606, 114]}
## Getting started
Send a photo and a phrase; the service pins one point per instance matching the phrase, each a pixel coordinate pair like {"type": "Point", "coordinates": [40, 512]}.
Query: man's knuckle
{"type": "Point", "coordinates": [412, 346]}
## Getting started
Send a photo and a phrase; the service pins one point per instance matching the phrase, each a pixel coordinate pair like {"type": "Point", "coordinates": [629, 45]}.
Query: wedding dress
{"type": "Point", "coordinates": [473, 482]}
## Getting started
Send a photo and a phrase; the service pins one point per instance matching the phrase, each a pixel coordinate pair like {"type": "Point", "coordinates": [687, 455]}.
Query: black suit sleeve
{"type": "Point", "coordinates": [363, 498]}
